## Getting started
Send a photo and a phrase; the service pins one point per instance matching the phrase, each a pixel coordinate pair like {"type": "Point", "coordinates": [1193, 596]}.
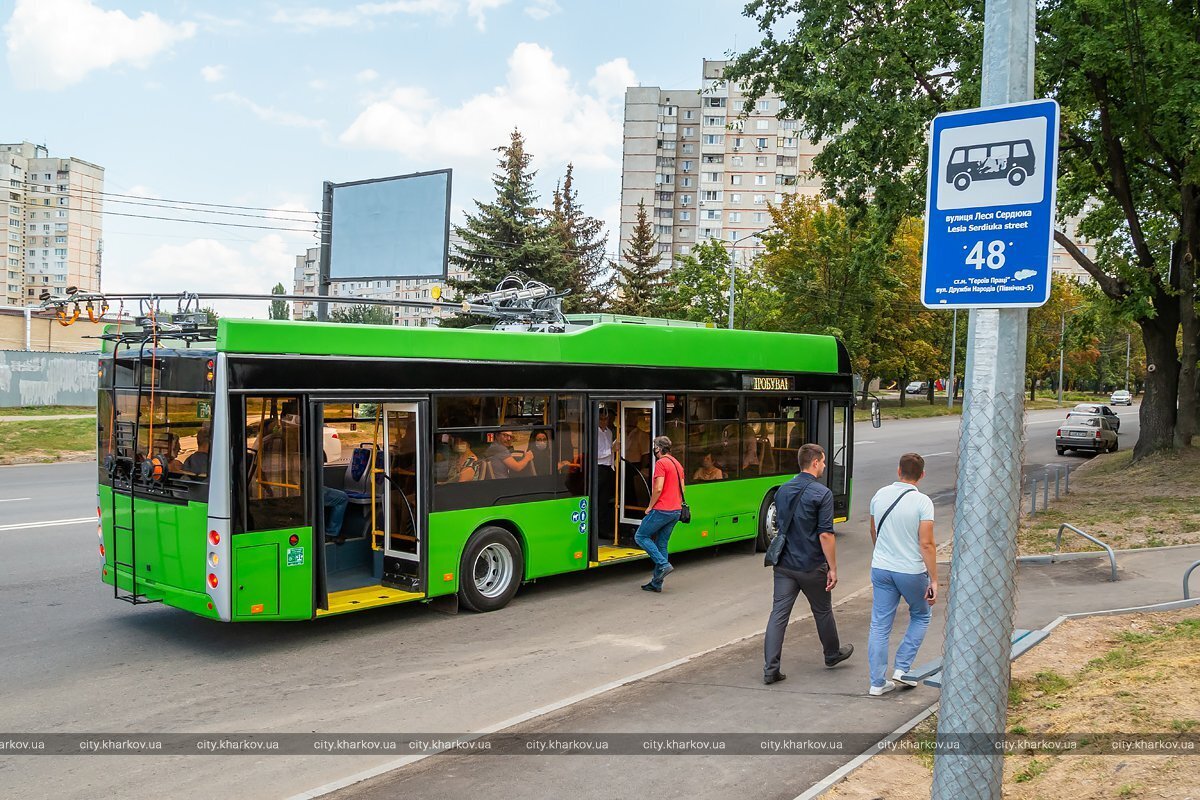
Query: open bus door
{"type": "Point", "coordinates": [622, 473]}
{"type": "Point", "coordinates": [405, 502]}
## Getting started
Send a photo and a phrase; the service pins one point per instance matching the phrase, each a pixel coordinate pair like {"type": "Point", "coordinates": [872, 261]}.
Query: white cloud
{"type": "Point", "coordinates": [611, 79]}
{"type": "Point", "coordinates": [366, 76]}
{"type": "Point", "coordinates": [540, 9]}
{"type": "Point", "coordinates": [53, 44]}
{"type": "Point", "coordinates": [268, 114]}
{"type": "Point", "coordinates": [305, 18]}
{"type": "Point", "coordinates": [313, 17]}
{"type": "Point", "coordinates": [209, 265]}
{"type": "Point", "coordinates": [214, 73]}
{"type": "Point", "coordinates": [318, 84]}
{"type": "Point", "coordinates": [477, 10]}
{"type": "Point", "coordinates": [560, 121]}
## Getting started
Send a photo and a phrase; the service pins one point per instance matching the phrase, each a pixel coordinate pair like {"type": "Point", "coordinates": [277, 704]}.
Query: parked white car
{"type": "Point", "coordinates": [333, 445]}
{"type": "Point", "coordinates": [1121, 397]}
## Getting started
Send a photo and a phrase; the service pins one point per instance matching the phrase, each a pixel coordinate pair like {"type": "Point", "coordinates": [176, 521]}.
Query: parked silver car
{"type": "Point", "coordinates": [1085, 433]}
{"type": "Point", "coordinates": [1089, 409]}
{"type": "Point", "coordinates": [1121, 397]}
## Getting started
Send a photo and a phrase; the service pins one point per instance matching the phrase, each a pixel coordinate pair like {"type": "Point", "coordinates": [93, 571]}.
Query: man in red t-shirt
{"type": "Point", "coordinates": [665, 503]}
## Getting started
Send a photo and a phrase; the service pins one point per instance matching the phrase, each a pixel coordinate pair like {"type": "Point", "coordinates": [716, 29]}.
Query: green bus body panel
{"type": "Point", "coordinates": [607, 343]}
{"type": "Point", "coordinates": [547, 534]}
{"type": "Point", "coordinates": [170, 540]}
{"type": "Point", "coordinates": [262, 575]}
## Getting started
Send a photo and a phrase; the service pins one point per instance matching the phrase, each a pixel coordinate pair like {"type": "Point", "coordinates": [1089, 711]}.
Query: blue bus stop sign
{"type": "Point", "coordinates": [989, 210]}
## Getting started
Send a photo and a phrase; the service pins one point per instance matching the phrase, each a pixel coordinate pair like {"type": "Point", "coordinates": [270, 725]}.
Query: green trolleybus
{"type": "Point", "coordinates": [276, 470]}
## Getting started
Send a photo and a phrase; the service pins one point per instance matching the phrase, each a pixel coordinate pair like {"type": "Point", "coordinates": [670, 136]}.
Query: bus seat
{"type": "Point", "coordinates": [357, 481]}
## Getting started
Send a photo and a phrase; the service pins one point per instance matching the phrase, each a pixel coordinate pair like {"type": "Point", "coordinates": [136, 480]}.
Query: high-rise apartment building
{"type": "Point", "coordinates": [307, 275]}
{"type": "Point", "coordinates": [707, 168]}
{"type": "Point", "coordinates": [54, 215]}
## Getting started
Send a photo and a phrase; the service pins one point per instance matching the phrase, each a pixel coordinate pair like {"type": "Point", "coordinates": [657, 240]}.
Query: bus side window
{"type": "Point", "coordinates": [274, 488]}
{"type": "Point", "coordinates": [569, 441]}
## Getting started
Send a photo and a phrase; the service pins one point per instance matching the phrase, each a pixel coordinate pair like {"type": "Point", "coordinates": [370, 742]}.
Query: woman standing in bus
{"type": "Point", "coordinates": [666, 502]}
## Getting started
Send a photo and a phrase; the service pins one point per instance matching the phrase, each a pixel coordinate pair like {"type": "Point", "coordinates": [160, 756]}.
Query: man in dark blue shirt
{"type": "Point", "coordinates": [804, 508]}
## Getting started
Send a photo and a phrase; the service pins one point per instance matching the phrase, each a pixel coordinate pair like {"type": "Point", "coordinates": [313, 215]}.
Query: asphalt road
{"type": "Point", "coordinates": [75, 660]}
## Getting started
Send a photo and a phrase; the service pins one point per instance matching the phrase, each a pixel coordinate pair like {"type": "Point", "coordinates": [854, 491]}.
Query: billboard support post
{"type": "Point", "coordinates": [326, 229]}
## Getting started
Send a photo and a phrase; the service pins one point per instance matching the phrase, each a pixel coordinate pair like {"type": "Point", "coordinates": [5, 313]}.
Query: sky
{"type": "Point", "coordinates": [257, 103]}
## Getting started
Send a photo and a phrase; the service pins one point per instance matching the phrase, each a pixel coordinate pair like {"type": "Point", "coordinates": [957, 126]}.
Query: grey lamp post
{"type": "Point", "coordinates": [733, 265]}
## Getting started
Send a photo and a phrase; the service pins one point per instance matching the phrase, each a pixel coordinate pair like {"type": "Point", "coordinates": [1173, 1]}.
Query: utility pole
{"type": "Point", "coordinates": [953, 353]}
{"type": "Point", "coordinates": [1127, 362]}
{"type": "Point", "coordinates": [1062, 348]}
{"type": "Point", "coordinates": [974, 702]}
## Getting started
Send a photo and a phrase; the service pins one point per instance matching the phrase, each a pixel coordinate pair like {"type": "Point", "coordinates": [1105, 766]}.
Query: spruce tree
{"type": "Point", "coordinates": [509, 235]}
{"type": "Point", "coordinates": [590, 276]}
{"type": "Point", "coordinates": [638, 274]}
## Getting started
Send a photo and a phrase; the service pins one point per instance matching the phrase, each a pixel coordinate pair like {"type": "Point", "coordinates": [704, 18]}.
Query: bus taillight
{"type": "Point", "coordinates": [102, 549]}
{"type": "Point", "coordinates": [212, 580]}
{"type": "Point", "coordinates": [215, 538]}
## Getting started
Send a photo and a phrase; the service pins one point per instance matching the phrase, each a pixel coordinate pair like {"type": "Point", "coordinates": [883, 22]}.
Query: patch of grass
{"type": "Point", "coordinates": [1123, 658]}
{"type": "Point", "coordinates": [46, 440]}
{"type": "Point", "coordinates": [1184, 725]}
{"type": "Point", "coordinates": [1016, 693]}
{"type": "Point", "coordinates": [1050, 682]}
{"type": "Point", "coordinates": [1019, 730]}
{"type": "Point", "coordinates": [1132, 637]}
{"type": "Point", "coordinates": [1128, 790]}
{"type": "Point", "coordinates": [1031, 771]}
{"type": "Point", "coordinates": [44, 411]}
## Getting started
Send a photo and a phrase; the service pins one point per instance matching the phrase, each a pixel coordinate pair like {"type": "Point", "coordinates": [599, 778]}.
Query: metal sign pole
{"type": "Point", "coordinates": [974, 700]}
{"type": "Point", "coordinates": [953, 353]}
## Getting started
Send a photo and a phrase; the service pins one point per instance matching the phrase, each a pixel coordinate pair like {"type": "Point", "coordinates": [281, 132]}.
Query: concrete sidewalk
{"type": "Point", "coordinates": [722, 693]}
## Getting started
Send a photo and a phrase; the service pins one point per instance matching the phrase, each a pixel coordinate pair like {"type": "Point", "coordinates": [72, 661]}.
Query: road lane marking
{"type": "Point", "coordinates": [47, 524]}
{"type": "Point", "coordinates": [866, 442]}
{"type": "Point", "coordinates": [931, 455]}
{"type": "Point", "coordinates": [15, 499]}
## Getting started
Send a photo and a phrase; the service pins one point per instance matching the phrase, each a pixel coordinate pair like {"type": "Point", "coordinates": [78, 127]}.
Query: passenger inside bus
{"type": "Point", "coordinates": [708, 470]}
{"type": "Point", "coordinates": [543, 456]}
{"type": "Point", "coordinates": [462, 465]}
{"type": "Point", "coordinates": [197, 462]}
{"type": "Point", "coordinates": [502, 460]}
{"type": "Point", "coordinates": [174, 465]}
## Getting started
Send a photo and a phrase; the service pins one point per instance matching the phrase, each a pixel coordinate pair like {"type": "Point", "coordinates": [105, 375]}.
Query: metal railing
{"type": "Point", "coordinates": [1062, 485]}
{"type": "Point", "coordinates": [1186, 594]}
{"type": "Point", "coordinates": [1112, 556]}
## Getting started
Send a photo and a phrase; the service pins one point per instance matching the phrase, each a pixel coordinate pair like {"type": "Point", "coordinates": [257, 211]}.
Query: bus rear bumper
{"type": "Point", "coordinates": [153, 591]}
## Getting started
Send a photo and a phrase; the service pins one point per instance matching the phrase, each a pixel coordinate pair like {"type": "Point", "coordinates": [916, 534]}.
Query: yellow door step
{"type": "Point", "coordinates": [366, 597]}
{"type": "Point", "coordinates": [609, 554]}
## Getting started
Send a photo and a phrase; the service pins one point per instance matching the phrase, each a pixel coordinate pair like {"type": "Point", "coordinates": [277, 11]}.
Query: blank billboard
{"type": "Point", "coordinates": [390, 228]}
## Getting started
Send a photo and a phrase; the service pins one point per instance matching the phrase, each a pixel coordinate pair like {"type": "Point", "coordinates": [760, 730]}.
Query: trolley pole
{"type": "Point", "coordinates": [974, 701]}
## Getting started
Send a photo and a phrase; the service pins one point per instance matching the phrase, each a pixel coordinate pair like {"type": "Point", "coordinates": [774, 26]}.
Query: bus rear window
{"type": "Point", "coordinates": [165, 451]}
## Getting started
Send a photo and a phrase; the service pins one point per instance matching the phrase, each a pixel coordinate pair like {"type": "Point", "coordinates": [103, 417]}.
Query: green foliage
{"type": "Point", "coordinates": [639, 275]}
{"type": "Point", "coordinates": [865, 78]}
{"type": "Point", "coordinates": [361, 315]}
{"type": "Point", "coordinates": [509, 235]}
{"type": "Point", "coordinates": [582, 241]}
{"type": "Point", "coordinates": [279, 308]}
{"type": "Point", "coordinates": [211, 316]}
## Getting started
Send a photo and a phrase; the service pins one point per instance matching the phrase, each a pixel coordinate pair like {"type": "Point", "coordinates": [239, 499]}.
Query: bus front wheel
{"type": "Point", "coordinates": [1016, 177]}
{"type": "Point", "coordinates": [961, 181]}
{"type": "Point", "coordinates": [768, 522]}
{"type": "Point", "coordinates": [491, 569]}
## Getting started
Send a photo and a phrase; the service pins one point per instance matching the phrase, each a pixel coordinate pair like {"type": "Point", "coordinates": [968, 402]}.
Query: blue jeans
{"type": "Point", "coordinates": [652, 536]}
{"type": "Point", "coordinates": [335, 501]}
{"type": "Point", "coordinates": [888, 588]}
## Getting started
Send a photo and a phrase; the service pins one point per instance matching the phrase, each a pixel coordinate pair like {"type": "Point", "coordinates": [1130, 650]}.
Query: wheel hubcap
{"type": "Point", "coordinates": [494, 570]}
{"type": "Point", "coordinates": [771, 523]}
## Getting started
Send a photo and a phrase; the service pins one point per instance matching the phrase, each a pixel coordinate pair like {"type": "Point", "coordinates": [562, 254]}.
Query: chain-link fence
{"type": "Point", "coordinates": [982, 597]}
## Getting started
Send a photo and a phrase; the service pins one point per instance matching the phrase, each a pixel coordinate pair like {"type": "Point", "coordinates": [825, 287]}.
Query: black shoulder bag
{"type": "Point", "coordinates": [685, 511]}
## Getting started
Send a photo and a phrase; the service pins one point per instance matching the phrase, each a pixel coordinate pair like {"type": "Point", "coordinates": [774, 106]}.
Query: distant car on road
{"type": "Point", "coordinates": [1088, 409]}
{"type": "Point", "coordinates": [917, 387]}
{"type": "Point", "coordinates": [1085, 433]}
{"type": "Point", "coordinates": [1121, 397]}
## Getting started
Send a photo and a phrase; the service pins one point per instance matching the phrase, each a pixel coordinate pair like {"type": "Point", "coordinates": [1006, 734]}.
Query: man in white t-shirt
{"type": "Point", "coordinates": [904, 564]}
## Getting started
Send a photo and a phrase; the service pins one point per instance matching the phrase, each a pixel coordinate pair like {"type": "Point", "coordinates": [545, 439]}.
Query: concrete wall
{"type": "Point", "coordinates": [47, 379]}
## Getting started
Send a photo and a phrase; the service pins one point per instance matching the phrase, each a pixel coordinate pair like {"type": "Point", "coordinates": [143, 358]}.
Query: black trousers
{"type": "Point", "coordinates": [788, 586]}
{"type": "Point", "coordinates": [606, 499]}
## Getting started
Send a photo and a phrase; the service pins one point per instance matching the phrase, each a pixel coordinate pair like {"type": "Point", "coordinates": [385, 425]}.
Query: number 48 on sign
{"type": "Point", "coordinates": [989, 212]}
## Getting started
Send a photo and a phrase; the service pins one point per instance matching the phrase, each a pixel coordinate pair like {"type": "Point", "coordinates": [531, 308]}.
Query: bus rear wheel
{"type": "Point", "coordinates": [961, 181]}
{"type": "Point", "coordinates": [490, 571]}
{"type": "Point", "coordinates": [1016, 177]}
{"type": "Point", "coordinates": [768, 522]}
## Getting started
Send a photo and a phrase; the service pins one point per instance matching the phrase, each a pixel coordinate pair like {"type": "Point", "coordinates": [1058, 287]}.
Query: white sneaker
{"type": "Point", "coordinates": [888, 686]}
{"type": "Point", "coordinates": [898, 677]}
